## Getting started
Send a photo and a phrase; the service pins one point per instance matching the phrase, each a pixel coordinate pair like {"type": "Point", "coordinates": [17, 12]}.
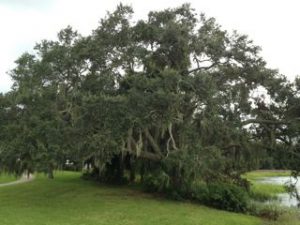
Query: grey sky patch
{"type": "Point", "coordinates": [271, 25]}
{"type": "Point", "coordinates": [27, 4]}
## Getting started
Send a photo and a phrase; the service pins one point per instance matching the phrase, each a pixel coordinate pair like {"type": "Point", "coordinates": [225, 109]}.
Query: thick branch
{"type": "Point", "coordinates": [139, 145]}
{"type": "Point", "coordinates": [168, 147]}
{"type": "Point", "coordinates": [202, 68]}
{"type": "Point", "coordinates": [171, 136]}
{"type": "Point", "coordinates": [150, 156]}
{"type": "Point", "coordinates": [152, 142]}
{"type": "Point", "coordinates": [146, 155]}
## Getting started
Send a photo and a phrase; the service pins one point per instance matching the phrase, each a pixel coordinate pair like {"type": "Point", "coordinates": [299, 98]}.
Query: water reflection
{"type": "Point", "coordinates": [285, 199]}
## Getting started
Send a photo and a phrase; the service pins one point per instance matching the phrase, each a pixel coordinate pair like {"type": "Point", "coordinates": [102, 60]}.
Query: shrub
{"type": "Point", "coordinates": [199, 192]}
{"type": "Point", "coordinates": [223, 196]}
{"type": "Point", "coordinates": [158, 182]}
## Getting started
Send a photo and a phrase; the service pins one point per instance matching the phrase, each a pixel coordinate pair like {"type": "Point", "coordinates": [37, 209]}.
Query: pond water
{"type": "Point", "coordinates": [285, 199]}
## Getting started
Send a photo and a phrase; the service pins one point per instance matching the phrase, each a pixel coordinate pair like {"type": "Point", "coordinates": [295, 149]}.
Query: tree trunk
{"type": "Point", "coordinates": [132, 170]}
{"type": "Point", "coordinates": [50, 173]}
{"type": "Point", "coordinates": [142, 172]}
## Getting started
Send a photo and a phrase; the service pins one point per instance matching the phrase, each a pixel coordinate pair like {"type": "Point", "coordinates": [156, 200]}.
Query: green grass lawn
{"type": "Point", "coordinates": [68, 200]}
{"type": "Point", "coordinates": [5, 178]}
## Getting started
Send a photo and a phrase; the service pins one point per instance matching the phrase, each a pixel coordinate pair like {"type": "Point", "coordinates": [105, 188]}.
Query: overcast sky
{"type": "Point", "coordinates": [273, 25]}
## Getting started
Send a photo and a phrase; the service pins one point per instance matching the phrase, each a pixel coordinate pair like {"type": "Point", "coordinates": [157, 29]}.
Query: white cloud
{"type": "Point", "coordinates": [271, 24]}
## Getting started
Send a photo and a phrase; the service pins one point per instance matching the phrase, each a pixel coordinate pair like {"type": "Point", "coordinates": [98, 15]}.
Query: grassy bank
{"type": "Point", "coordinates": [264, 190]}
{"type": "Point", "coordinates": [69, 200]}
{"type": "Point", "coordinates": [290, 217]}
{"type": "Point", "coordinates": [259, 174]}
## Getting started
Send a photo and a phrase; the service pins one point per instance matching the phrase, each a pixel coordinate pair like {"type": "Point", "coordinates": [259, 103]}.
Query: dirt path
{"type": "Point", "coordinates": [23, 179]}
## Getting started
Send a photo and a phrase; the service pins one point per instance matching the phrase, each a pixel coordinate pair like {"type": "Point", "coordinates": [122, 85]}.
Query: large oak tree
{"type": "Point", "coordinates": [172, 96]}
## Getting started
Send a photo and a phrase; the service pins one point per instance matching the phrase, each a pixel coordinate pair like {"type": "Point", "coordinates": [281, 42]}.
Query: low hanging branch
{"type": "Point", "coordinates": [145, 155]}
{"type": "Point", "coordinates": [141, 154]}
{"type": "Point", "coordinates": [135, 147]}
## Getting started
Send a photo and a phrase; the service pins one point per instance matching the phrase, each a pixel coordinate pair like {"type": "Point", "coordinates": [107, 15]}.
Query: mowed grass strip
{"type": "Point", "coordinates": [68, 200]}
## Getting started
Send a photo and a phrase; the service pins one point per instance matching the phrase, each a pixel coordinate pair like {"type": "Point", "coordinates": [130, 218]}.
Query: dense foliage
{"type": "Point", "coordinates": [166, 101]}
